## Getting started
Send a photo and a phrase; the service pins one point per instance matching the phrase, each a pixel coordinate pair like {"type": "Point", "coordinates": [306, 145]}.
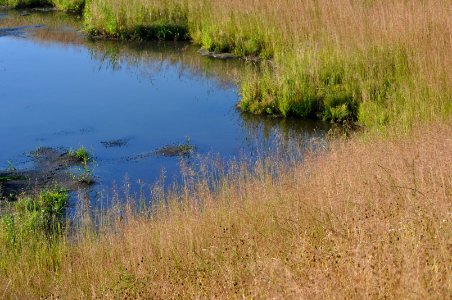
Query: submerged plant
{"type": "Point", "coordinates": [83, 173]}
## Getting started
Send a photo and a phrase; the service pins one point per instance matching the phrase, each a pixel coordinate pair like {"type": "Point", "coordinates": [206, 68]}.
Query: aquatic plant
{"type": "Point", "coordinates": [83, 173]}
{"type": "Point", "coordinates": [177, 149]}
{"type": "Point", "coordinates": [81, 154]}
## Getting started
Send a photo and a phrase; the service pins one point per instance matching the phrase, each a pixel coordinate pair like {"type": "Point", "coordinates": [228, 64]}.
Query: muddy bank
{"type": "Point", "coordinates": [52, 167]}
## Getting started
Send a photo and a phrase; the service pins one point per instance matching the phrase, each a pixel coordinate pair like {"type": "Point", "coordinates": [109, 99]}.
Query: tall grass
{"type": "Point", "coordinates": [137, 19]}
{"type": "Point", "coordinates": [366, 219]}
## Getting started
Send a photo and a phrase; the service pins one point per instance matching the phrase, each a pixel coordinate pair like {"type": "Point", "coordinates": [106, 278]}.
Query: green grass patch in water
{"type": "Point", "coordinates": [81, 154]}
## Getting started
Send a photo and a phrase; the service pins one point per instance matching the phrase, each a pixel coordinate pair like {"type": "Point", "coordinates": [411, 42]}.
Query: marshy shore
{"type": "Point", "coordinates": [383, 65]}
{"type": "Point", "coordinates": [369, 217]}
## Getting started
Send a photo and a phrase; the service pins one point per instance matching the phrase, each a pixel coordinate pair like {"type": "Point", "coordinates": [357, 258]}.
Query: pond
{"type": "Point", "coordinates": [123, 101]}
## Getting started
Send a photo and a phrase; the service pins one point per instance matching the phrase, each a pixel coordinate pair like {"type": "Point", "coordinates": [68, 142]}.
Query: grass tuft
{"type": "Point", "coordinates": [81, 154]}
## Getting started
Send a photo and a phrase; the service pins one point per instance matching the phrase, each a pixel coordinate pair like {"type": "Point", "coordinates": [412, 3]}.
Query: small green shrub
{"type": "Point", "coordinates": [42, 212]}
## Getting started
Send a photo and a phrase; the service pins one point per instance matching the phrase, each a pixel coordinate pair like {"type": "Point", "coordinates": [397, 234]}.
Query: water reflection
{"type": "Point", "coordinates": [66, 30]}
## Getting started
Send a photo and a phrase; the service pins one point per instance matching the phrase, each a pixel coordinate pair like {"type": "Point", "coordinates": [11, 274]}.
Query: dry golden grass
{"type": "Point", "coordinates": [364, 220]}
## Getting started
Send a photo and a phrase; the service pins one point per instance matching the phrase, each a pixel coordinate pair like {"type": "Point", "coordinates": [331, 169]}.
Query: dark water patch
{"type": "Point", "coordinates": [48, 9]}
{"type": "Point", "coordinates": [85, 130]}
{"type": "Point", "coordinates": [116, 143]}
{"type": "Point", "coordinates": [222, 56]}
{"type": "Point", "coordinates": [17, 31]}
{"type": "Point", "coordinates": [73, 132]}
{"type": "Point", "coordinates": [139, 157]}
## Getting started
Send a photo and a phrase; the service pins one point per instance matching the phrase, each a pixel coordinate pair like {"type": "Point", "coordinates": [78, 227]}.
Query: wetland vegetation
{"type": "Point", "coordinates": [376, 63]}
{"type": "Point", "coordinates": [364, 217]}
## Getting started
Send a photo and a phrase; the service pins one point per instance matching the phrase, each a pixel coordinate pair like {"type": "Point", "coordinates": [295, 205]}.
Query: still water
{"type": "Point", "coordinates": [123, 101]}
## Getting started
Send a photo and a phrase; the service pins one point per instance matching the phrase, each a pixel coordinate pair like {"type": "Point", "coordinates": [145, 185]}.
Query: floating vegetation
{"type": "Point", "coordinates": [176, 149]}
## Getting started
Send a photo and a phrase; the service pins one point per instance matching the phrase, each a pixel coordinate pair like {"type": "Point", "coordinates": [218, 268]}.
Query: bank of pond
{"type": "Point", "coordinates": [349, 65]}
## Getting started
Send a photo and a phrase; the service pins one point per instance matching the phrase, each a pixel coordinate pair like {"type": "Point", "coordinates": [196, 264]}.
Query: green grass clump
{"type": "Point", "coordinates": [34, 215]}
{"type": "Point", "coordinates": [326, 85]}
{"type": "Point", "coordinates": [44, 211]}
{"type": "Point", "coordinates": [32, 232]}
{"type": "Point", "coordinates": [81, 154]}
